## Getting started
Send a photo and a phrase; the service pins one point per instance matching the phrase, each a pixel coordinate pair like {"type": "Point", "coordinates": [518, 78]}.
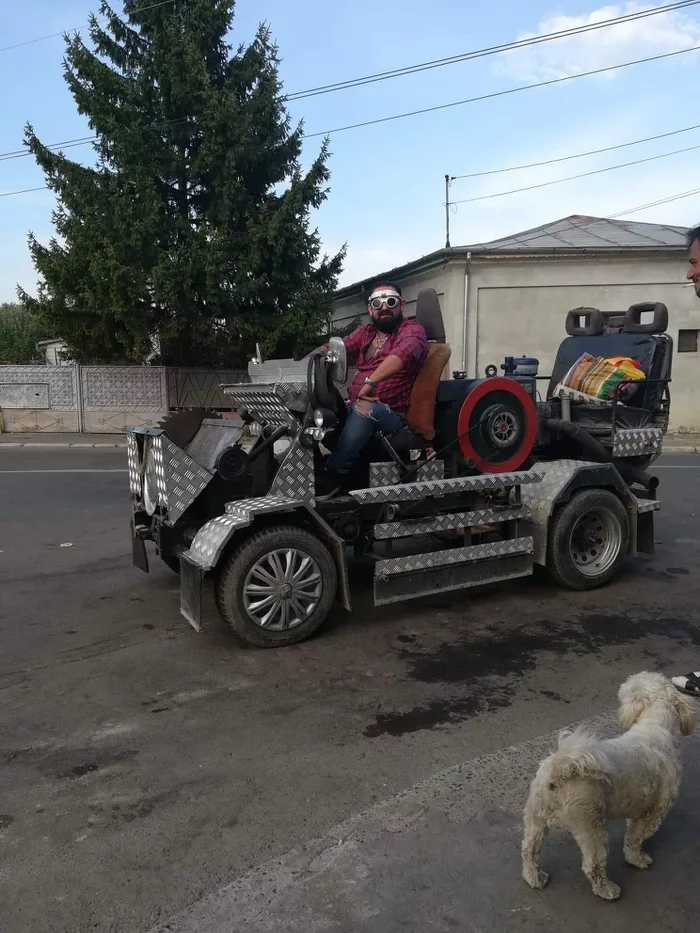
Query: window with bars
{"type": "Point", "coordinates": [688, 341]}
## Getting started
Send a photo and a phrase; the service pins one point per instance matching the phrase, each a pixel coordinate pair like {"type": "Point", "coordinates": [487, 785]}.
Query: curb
{"type": "Point", "coordinates": [49, 446]}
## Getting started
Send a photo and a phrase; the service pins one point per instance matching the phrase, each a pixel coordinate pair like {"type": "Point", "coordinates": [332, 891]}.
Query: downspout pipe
{"type": "Point", "coordinates": [467, 273]}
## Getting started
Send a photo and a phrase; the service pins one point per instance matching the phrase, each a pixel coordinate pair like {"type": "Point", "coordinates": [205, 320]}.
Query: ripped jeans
{"type": "Point", "coordinates": [358, 431]}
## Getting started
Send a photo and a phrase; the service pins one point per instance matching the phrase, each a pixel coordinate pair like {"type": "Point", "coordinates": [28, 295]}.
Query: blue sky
{"type": "Point", "coordinates": [387, 185]}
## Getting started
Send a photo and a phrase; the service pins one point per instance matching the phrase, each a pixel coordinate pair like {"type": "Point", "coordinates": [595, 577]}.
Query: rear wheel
{"type": "Point", "coordinates": [277, 587]}
{"type": "Point", "coordinates": [588, 540]}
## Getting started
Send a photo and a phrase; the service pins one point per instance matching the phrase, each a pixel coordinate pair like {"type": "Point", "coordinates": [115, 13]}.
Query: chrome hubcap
{"type": "Point", "coordinates": [282, 589]}
{"type": "Point", "coordinates": [504, 428]}
{"type": "Point", "coordinates": [595, 542]}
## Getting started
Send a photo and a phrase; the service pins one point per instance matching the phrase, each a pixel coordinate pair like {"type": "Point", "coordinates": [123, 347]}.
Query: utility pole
{"type": "Point", "coordinates": [447, 211]}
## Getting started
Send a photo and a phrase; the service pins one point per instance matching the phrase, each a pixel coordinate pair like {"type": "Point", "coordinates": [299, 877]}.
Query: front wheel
{"type": "Point", "coordinates": [588, 540]}
{"type": "Point", "coordinates": [277, 587]}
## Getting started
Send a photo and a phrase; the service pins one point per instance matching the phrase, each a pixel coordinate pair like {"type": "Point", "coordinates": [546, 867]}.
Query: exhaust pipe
{"type": "Point", "coordinates": [597, 452]}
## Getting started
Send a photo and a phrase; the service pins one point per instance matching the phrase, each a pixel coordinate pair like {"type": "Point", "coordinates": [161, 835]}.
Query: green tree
{"type": "Point", "coordinates": [191, 234]}
{"type": "Point", "coordinates": [19, 333]}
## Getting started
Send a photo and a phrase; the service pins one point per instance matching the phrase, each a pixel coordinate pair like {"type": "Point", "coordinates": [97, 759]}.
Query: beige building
{"type": "Point", "coordinates": [510, 297]}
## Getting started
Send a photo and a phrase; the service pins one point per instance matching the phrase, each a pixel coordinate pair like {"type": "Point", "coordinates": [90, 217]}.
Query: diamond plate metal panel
{"type": "Point", "coordinates": [131, 388]}
{"type": "Point", "coordinates": [458, 555]}
{"type": "Point", "coordinates": [295, 477]}
{"type": "Point", "coordinates": [263, 403]}
{"type": "Point", "coordinates": [448, 522]}
{"type": "Point", "coordinates": [635, 442]}
{"type": "Point", "coordinates": [387, 474]}
{"type": "Point", "coordinates": [201, 388]}
{"type": "Point", "coordinates": [647, 505]}
{"type": "Point", "coordinates": [556, 474]}
{"type": "Point", "coordinates": [132, 456]}
{"type": "Point", "coordinates": [61, 380]}
{"type": "Point", "coordinates": [184, 479]}
{"type": "Point", "coordinates": [210, 541]}
{"type": "Point", "coordinates": [156, 458]}
{"type": "Point", "coordinates": [444, 487]}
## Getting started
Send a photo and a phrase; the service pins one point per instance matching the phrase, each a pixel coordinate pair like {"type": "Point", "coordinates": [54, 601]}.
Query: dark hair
{"type": "Point", "coordinates": [692, 235]}
{"type": "Point", "coordinates": [384, 285]}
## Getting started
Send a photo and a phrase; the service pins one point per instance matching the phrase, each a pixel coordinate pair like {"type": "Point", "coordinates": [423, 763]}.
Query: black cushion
{"type": "Point", "coordinates": [653, 352]}
{"type": "Point", "coordinates": [428, 314]}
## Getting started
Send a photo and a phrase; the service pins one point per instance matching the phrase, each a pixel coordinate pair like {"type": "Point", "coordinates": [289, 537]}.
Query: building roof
{"type": "Point", "coordinates": [590, 233]}
{"type": "Point", "coordinates": [576, 234]}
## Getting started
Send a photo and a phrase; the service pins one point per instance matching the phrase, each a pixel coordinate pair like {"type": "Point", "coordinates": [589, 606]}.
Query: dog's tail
{"type": "Point", "coordinates": [579, 754]}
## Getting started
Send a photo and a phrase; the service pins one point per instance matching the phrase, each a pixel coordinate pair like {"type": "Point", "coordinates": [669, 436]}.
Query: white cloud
{"type": "Point", "coordinates": [600, 48]}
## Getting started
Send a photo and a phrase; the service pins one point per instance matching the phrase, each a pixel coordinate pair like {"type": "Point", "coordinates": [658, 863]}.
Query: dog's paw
{"type": "Point", "coordinates": [638, 859]}
{"type": "Point", "coordinates": [537, 880]}
{"type": "Point", "coordinates": [608, 890]}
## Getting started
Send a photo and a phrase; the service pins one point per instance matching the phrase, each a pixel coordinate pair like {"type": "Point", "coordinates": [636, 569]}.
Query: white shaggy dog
{"type": "Point", "coordinates": [589, 781]}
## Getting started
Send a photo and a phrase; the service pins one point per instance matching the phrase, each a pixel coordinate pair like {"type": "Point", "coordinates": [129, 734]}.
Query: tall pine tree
{"type": "Point", "coordinates": [191, 235]}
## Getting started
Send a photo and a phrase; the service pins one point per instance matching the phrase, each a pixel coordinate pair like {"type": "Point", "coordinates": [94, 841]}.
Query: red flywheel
{"type": "Point", "coordinates": [497, 425]}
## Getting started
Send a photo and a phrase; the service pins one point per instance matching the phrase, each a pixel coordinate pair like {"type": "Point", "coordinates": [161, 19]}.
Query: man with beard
{"type": "Point", "coordinates": [690, 683]}
{"type": "Point", "coordinates": [389, 352]}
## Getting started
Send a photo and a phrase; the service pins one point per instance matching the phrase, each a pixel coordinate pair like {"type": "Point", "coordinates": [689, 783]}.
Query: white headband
{"type": "Point", "coordinates": [384, 293]}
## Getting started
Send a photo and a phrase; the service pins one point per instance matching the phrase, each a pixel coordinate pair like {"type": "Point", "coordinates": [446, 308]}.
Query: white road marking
{"type": "Point", "coordinates": [63, 471]}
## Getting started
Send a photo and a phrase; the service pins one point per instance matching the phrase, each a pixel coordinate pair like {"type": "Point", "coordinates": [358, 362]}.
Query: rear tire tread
{"type": "Point", "coordinates": [560, 565]}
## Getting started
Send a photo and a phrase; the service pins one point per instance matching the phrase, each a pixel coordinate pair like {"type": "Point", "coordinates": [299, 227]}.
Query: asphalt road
{"type": "Point", "coordinates": [144, 766]}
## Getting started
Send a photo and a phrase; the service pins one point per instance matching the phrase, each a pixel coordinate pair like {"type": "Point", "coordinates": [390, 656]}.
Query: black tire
{"type": "Point", "coordinates": [594, 517]}
{"type": "Point", "coordinates": [232, 582]}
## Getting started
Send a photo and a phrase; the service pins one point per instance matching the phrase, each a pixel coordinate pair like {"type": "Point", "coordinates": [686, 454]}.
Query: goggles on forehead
{"type": "Point", "coordinates": [390, 299]}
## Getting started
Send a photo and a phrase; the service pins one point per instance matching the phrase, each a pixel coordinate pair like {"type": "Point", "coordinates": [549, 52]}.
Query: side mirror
{"type": "Point", "coordinates": [337, 357]}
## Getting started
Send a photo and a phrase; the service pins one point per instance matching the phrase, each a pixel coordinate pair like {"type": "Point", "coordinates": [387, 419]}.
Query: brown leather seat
{"type": "Point", "coordinates": [420, 417]}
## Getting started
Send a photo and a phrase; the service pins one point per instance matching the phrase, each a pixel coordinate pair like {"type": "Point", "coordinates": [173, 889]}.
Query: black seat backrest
{"type": "Point", "coordinates": [428, 314]}
{"type": "Point", "coordinates": [646, 343]}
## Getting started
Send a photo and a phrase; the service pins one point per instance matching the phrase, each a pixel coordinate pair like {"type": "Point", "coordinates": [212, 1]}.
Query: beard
{"type": "Point", "coordinates": [387, 324]}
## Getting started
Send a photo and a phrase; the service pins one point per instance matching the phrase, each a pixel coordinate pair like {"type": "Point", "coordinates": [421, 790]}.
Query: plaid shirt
{"type": "Point", "coordinates": [408, 342]}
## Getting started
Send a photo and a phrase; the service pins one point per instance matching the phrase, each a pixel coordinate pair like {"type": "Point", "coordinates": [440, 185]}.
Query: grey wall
{"type": "Point", "coordinates": [519, 308]}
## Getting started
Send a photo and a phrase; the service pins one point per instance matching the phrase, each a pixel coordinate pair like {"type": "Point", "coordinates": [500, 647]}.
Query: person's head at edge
{"type": "Point", "coordinates": [693, 274]}
{"type": "Point", "coordinates": [385, 306]}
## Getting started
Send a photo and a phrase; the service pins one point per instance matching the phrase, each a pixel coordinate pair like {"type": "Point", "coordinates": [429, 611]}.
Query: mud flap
{"type": "Point", "coordinates": [191, 592]}
{"type": "Point", "coordinates": [645, 532]}
{"type": "Point", "coordinates": [138, 550]}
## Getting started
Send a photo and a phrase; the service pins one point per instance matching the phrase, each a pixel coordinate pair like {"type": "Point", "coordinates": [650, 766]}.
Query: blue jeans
{"type": "Point", "coordinates": [358, 431]}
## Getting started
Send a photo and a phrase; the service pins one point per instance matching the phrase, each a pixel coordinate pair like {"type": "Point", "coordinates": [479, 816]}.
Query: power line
{"type": "Point", "coordinates": [559, 181]}
{"type": "Point", "coordinates": [55, 35]}
{"type": "Point", "coordinates": [9, 194]}
{"type": "Point", "coordinates": [300, 95]}
{"type": "Point", "coordinates": [577, 155]}
{"type": "Point", "coordinates": [491, 50]}
{"type": "Point", "coordinates": [643, 207]}
{"type": "Point", "coordinates": [511, 90]}
{"type": "Point", "coordinates": [17, 153]}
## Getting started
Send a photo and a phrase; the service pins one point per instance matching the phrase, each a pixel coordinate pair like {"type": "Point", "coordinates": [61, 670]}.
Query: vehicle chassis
{"type": "Point", "coordinates": [425, 531]}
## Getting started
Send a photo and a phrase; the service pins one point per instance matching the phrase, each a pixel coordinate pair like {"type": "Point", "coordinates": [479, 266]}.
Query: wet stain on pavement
{"type": "Point", "coordinates": [67, 763]}
{"type": "Point", "coordinates": [478, 664]}
{"type": "Point", "coordinates": [81, 770]}
{"type": "Point", "coordinates": [677, 571]}
{"type": "Point", "coordinates": [5, 820]}
{"type": "Point", "coordinates": [139, 809]}
{"type": "Point", "coordinates": [435, 713]}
